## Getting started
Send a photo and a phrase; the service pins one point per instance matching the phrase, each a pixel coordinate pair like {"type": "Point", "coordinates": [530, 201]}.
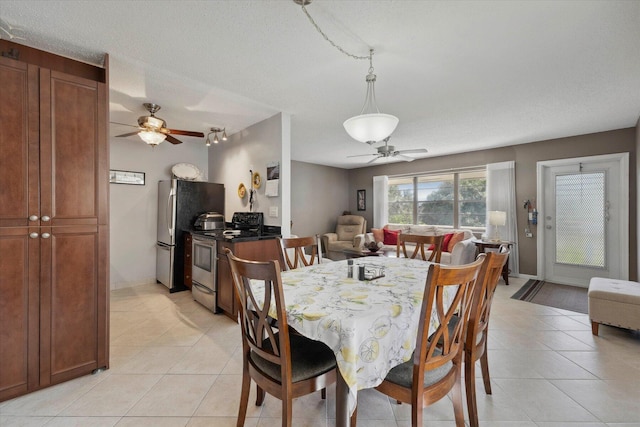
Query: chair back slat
{"type": "Point", "coordinates": [487, 282]}
{"type": "Point", "coordinates": [293, 247]}
{"type": "Point", "coordinates": [420, 241]}
{"type": "Point", "coordinates": [445, 345]}
{"type": "Point", "coordinates": [259, 332]}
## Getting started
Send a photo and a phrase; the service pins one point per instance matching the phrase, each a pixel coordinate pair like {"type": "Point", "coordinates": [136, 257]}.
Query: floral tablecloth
{"type": "Point", "coordinates": [370, 325]}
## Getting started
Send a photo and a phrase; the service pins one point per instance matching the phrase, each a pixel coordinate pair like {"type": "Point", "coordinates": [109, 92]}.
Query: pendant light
{"type": "Point", "coordinates": [370, 125]}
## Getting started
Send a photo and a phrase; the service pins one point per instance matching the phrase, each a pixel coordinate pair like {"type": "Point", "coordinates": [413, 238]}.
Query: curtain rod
{"type": "Point", "coordinates": [435, 172]}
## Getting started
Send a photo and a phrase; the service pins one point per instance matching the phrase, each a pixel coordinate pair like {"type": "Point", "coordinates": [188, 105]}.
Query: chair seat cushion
{"type": "Point", "coordinates": [309, 358]}
{"type": "Point", "coordinates": [403, 374]}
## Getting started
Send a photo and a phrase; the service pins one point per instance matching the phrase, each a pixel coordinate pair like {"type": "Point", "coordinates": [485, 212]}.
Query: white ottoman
{"type": "Point", "coordinates": [614, 302]}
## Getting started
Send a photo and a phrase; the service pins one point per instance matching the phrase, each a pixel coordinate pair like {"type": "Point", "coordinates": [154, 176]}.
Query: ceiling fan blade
{"type": "Point", "coordinates": [123, 124]}
{"type": "Point", "coordinates": [173, 140]}
{"type": "Point", "coordinates": [127, 134]}
{"type": "Point", "coordinates": [415, 151]}
{"type": "Point", "coordinates": [374, 159]}
{"type": "Point", "coordinates": [405, 158]}
{"type": "Point", "coordinates": [185, 133]}
{"type": "Point", "coordinates": [363, 155]}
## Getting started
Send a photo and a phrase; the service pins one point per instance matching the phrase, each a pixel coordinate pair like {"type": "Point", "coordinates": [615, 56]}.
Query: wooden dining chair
{"type": "Point", "coordinates": [294, 247]}
{"type": "Point", "coordinates": [420, 241]}
{"type": "Point", "coordinates": [435, 368]}
{"type": "Point", "coordinates": [283, 364]}
{"type": "Point", "coordinates": [475, 346]}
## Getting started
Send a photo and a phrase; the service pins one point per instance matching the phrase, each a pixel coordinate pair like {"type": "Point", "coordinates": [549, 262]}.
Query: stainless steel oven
{"type": "Point", "coordinates": [204, 271]}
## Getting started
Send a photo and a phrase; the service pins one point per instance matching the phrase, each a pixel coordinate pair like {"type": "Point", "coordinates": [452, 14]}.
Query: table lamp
{"type": "Point", "coordinates": [497, 219]}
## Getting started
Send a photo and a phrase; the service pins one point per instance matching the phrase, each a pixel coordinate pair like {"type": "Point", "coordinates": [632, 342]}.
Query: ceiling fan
{"type": "Point", "coordinates": [386, 151]}
{"type": "Point", "coordinates": [153, 130]}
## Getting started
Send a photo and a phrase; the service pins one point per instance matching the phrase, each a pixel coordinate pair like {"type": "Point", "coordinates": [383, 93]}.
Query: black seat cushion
{"type": "Point", "coordinates": [403, 374]}
{"type": "Point", "coordinates": [309, 358]}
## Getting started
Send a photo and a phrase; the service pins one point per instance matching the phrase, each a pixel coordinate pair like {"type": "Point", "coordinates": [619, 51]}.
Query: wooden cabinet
{"type": "Point", "coordinates": [188, 261]}
{"type": "Point", "coordinates": [53, 220]}
{"type": "Point", "coordinates": [257, 250]}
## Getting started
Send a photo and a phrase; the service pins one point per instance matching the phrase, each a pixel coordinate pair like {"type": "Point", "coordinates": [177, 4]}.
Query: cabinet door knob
{"type": "Point", "coordinates": [46, 235]}
{"type": "Point", "coordinates": [33, 235]}
{"type": "Point", "coordinates": [45, 218]}
{"type": "Point", "coordinates": [33, 218]}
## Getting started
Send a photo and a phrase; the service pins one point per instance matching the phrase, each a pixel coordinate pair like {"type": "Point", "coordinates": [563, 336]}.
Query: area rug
{"type": "Point", "coordinates": [572, 298]}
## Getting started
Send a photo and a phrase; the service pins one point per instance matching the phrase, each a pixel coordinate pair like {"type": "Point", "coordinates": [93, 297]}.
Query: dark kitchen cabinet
{"type": "Point", "coordinates": [53, 220]}
{"type": "Point", "coordinates": [256, 250]}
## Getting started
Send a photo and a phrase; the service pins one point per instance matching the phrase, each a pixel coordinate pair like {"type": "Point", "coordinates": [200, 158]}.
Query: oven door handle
{"type": "Point", "coordinates": [203, 288]}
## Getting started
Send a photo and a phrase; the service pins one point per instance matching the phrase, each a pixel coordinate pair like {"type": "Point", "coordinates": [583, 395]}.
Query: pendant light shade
{"type": "Point", "coordinates": [371, 127]}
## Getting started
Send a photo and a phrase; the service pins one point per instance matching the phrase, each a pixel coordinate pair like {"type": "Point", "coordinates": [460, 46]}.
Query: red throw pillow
{"type": "Point", "coordinates": [445, 242]}
{"type": "Point", "coordinates": [390, 236]}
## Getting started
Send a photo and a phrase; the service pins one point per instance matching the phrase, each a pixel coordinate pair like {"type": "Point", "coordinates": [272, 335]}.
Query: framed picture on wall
{"type": "Point", "coordinates": [362, 200]}
{"type": "Point", "coordinates": [126, 177]}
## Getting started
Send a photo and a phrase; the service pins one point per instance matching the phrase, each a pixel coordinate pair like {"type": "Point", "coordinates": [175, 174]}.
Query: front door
{"type": "Point", "coordinates": [583, 219]}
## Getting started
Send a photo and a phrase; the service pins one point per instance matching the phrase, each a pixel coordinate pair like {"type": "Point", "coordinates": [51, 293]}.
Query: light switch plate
{"type": "Point", "coordinates": [273, 211]}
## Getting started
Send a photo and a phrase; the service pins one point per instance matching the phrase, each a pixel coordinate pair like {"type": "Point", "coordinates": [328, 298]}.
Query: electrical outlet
{"type": "Point", "coordinates": [528, 233]}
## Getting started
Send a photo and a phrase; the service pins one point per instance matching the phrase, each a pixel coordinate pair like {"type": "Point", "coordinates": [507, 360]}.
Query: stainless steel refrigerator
{"type": "Point", "coordinates": [179, 204]}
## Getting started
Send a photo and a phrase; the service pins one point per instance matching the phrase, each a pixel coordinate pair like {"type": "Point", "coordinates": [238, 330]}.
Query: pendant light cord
{"type": "Point", "coordinates": [369, 57]}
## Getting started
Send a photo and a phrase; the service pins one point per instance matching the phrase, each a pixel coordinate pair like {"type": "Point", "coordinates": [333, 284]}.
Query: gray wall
{"type": "Point", "coordinates": [254, 148]}
{"type": "Point", "coordinates": [319, 194]}
{"type": "Point", "coordinates": [133, 208]}
{"type": "Point", "coordinates": [525, 157]}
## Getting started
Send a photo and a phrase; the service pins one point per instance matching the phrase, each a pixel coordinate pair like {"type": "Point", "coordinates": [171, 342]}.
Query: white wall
{"type": "Point", "coordinates": [254, 148]}
{"type": "Point", "coordinates": [133, 208]}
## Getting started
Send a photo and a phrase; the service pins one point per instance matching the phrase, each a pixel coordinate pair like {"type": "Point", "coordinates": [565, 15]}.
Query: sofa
{"type": "Point", "coordinates": [461, 250]}
{"type": "Point", "coordinates": [347, 228]}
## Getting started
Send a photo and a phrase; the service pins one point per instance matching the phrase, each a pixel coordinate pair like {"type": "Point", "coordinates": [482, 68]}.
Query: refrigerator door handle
{"type": "Point", "coordinates": [170, 216]}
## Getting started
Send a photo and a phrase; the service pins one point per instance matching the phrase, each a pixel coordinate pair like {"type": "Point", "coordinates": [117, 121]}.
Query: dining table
{"type": "Point", "coordinates": [371, 325]}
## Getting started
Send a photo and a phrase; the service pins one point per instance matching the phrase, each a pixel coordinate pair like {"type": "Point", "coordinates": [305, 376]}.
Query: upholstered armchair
{"type": "Point", "coordinates": [347, 228]}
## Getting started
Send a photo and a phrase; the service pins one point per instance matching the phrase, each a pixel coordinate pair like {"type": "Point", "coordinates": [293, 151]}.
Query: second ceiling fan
{"type": "Point", "coordinates": [153, 130]}
{"type": "Point", "coordinates": [386, 151]}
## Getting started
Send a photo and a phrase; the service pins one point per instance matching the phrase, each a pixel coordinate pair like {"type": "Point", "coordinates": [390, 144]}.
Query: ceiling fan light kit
{"type": "Point", "coordinates": [152, 137]}
{"type": "Point", "coordinates": [370, 125]}
{"type": "Point", "coordinates": [153, 130]}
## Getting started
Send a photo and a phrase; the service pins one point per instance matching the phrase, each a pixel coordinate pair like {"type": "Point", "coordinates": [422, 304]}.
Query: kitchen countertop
{"type": "Point", "coordinates": [217, 235]}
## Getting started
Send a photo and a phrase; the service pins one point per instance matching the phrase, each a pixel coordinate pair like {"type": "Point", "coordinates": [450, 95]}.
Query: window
{"type": "Point", "coordinates": [456, 200]}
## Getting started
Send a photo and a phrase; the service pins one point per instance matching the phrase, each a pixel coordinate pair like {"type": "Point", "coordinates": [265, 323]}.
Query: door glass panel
{"type": "Point", "coordinates": [580, 219]}
{"type": "Point", "coordinates": [202, 257]}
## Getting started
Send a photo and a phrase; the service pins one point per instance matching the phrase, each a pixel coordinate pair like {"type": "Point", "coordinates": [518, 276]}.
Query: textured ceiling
{"type": "Point", "coordinates": [461, 76]}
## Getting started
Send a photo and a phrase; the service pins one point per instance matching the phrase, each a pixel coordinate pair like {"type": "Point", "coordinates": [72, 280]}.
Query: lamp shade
{"type": "Point", "coordinates": [371, 127]}
{"type": "Point", "coordinates": [151, 137]}
{"type": "Point", "coordinates": [497, 218]}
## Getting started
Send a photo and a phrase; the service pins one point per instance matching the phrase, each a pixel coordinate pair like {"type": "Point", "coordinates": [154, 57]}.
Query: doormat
{"type": "Point", "coordinates": [566, 297]}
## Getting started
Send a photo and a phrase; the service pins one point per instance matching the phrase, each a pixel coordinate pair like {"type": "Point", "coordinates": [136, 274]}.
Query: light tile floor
{"type": "Point", "coordinates": [174, 364]}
